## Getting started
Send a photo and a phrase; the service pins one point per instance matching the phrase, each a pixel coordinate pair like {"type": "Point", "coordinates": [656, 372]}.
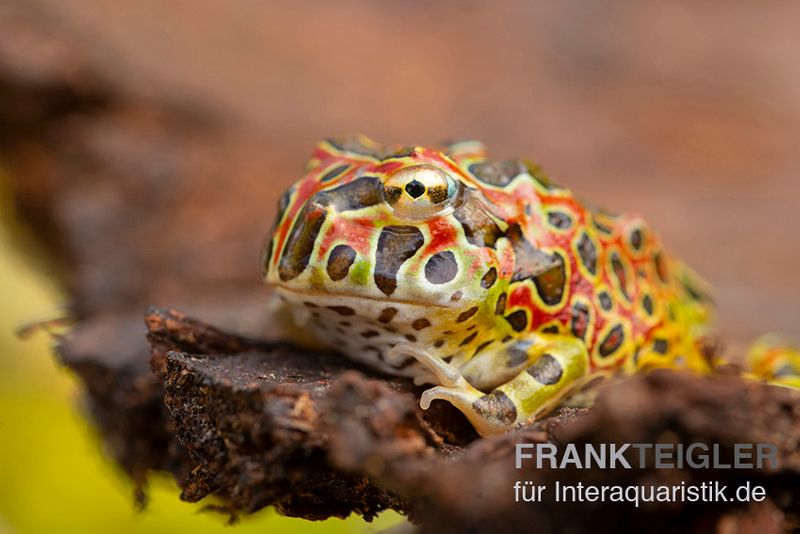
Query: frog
{"type": "Point", "coordinates": [484, 279]}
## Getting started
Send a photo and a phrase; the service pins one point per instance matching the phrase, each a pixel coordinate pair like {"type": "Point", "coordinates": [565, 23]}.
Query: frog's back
{"type": "Point", "coordinates": [610, 282]}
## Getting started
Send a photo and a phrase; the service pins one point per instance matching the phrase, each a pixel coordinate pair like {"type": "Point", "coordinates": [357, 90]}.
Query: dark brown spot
{"type": "Point", "coordinates": [439, 343]}
{"type": "Point", "coordinates": [500, 308]}
{"type": "Point", "coordinates": [546, 370]}
{"type": "Point", "coordinates": [419, 324]}
{"type": "Point", "coordinates": [647, 304]}
{"type": "Point", "coordinates": [387, 314]}
{"type": "Point", "coordinates": [482, 346]}
{"type": "Point", "coordinates": [360, 193]}
{"type": "Point", "coordinates": [506, 339]}
{"type": "Point", "coordinates": [530, 261]}
{"type": "Point", "coordinates": [620, 274]}
{"type": "Point", "coordinates": [518, 320]}
{"type": "Point", "coordinates": [588, 253]}
{"type": "Point", "coordinates": [637, 239]}
{"type": "Point", "coordinates": [550, 284]}
{"type": "Point", "coordinates": [396, 244]}
{"type": "Point", "coordinates": [411, 337]}
{"type": "Point", "coordinates": [473, 327]}
{"type": "Point", "coordinates": [612, 341]}
{"type": "Point", "coordinates": [580, 320]}
{"type": "Point", "coordinates": [661, 267]}
{"type": "Point", "coordinates": [660, 346]}
{"type": "Point", "coordinates": [605, 300]}
{"type": "Point", "coordinates": [441, 268]}
{"type": "Point", "coordinates": [489, 278]}
{"type": "Point", "coordinates": [479, 227]}
{"type": "Point", "coordinates": [467, 314]}
{"type": "Point", "coordinates": [309, 304]}
{"type": "Point", "coordinates": [559, 219]}
{"type": "Point", "coordinates": [468, 339]}
{"type": "Point", "coordinates": [342, 310]}
{"type": "Point", "coordinates": [300, 243]}
{"type": "Point", "coordinates": [497, 173]}
{"type": "Point", "coordinates": [518, 353]}
{"type": "Point", "coordinates": [496, 407]}
{"type": "Point", "coordinates": [333, 173]}
{"type": "Point", "coordinates": [552, 329]}
{"type": "Point", "coordinates": [457, 296]}
{"type": "Point", "coordinates": [283, 204]}
{"type": "Point", "coordinates": [548, 271]}
{"type": "Point", "coordinates": [339, 262]}
{"type": "Point", "coordinates": [370, 333]}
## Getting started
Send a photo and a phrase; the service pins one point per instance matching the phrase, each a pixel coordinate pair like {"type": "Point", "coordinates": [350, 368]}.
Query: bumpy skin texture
{"type": "Point", "coordinates": [482, 277]}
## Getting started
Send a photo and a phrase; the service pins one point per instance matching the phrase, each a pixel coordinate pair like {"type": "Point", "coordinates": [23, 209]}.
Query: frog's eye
{"type": "Point", "coordinates": [419, 192]}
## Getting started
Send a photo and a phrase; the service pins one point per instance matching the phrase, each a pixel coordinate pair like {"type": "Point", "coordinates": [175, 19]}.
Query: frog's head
{"type": "Point", "coordinates": [408, 226]}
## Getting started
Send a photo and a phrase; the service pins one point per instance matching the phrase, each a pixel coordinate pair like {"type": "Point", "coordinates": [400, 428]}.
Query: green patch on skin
{"type": "Point", "coordinates": [467, 260]}
{"type": "Point", "coordinates": [359, 273]}
{"type": "Point", "coordinates": [317, 279]}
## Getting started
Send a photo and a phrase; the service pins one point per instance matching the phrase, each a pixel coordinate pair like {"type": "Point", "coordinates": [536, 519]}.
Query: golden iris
{"type": "Point", "coordinates": [419, 192]}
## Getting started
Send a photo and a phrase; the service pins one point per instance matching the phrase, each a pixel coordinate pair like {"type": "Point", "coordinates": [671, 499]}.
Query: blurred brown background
{"type": "Point", "coordinates": [146, 142]}
{"type": "Point", "coordinates": [684, 111]}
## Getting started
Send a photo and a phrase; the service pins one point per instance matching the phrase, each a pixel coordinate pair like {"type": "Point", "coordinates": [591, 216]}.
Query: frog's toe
{"type": "Point", "coordinates": [444, 373]}
{"type": "Point", "coordinates": [461, 398]}
{"type": "Point", "coordinates": [489, 414]}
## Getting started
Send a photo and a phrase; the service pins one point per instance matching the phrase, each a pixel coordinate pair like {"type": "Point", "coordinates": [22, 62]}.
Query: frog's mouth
{"type": "Point", "coordinates": [354, 301]}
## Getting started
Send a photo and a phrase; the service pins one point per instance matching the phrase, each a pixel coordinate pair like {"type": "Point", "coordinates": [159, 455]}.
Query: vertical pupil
{"type": "Point", "coordinates": [415, 189]}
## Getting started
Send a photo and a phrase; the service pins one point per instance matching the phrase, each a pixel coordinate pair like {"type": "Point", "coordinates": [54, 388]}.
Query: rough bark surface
{"type": "Point", "coordinates": [142, 198]}
{"type": "Point", "coordinates": [315, 436]}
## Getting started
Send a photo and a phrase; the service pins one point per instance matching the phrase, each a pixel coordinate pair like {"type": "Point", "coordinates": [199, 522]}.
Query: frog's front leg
{"type": "Point", "coordinates": [550, 366]}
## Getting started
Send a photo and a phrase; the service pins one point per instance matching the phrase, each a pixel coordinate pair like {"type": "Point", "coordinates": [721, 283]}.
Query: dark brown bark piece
{"type": "Point", "coordinates": [146, 201]}
{"type": "Point", "coordinates": [259, 420]}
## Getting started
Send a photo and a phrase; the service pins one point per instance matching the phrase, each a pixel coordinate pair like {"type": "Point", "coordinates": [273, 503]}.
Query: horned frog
{"type": "Point", "coordinates": [484, 278]}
